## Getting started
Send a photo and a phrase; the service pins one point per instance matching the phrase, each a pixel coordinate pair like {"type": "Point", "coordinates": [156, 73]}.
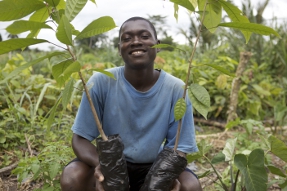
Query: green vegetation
{"type": "Point", "coordinates": [41, 91]}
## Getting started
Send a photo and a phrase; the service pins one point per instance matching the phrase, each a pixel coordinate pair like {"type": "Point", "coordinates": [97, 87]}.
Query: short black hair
{"type": "Point", "coordinates": [139, 18]}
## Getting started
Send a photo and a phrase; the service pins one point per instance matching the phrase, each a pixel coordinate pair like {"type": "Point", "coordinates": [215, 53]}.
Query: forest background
{"type": "Point", "coordinates": [37, 150]}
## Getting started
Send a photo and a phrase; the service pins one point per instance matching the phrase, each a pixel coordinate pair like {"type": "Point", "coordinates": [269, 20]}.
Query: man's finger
{"type": "Point", "coordinates": [176, 185]}
{"type": "Point", "coordinates": [98, 174]}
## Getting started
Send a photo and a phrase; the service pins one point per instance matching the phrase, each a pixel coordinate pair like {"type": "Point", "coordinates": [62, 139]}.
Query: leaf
{"type": "Point", "coordinates": [64, 31]}
{"type": "Point", "coordinates": [54, 170]}
{"type": "Point", "coordinates": [23, 26]}
{"type": "Point", "coordinates": [22, 67]}
{"type": "Point", "coordinates": [67, 93]}
{"type": "Point", "coordinates": [200, 93]}
{"type": "Point", "coordinates": [251, 27]}
{"type": "Point", "coordinates": [63, 70]}
{"type": "Point", "coordinates": [218, 158]}
{"type": "Point", "coordinates": [179, 109]}
{"type": "Point", "coordinates": [111, 75]}
{"type": "Point", "coordinates": [96, 27]}
{"type": "Point", "coordinates": [17, 43]}
{"type": "Point", "coordinates": [253, 170]}
{"type": "Point", "coordinates": [73, 7]}
{"type": "Point", "coordinates": [236, 15]}
{"type": "Point", "coordinates": [201, 108]}
{"type": "Point", "coordinates": [260, 90]}
{"type": "Point", "coordinates": [193, 156]}
{"type": "Point", "coordinates": [276, 171]}
{"type": "Point", "coordinates": [213, 14]}
{"type": "Point", "coordinates": [16, 9]}
{"type": "Point", "coordinates": [278, 147]}
{"type": "Point", "coordinates": [51, 117]}
{"type": "Point", "coordinates": [40, 15]}
{"type": "Point", "coordinates": [221, 69]}
{"type": "Point", "coordinates": [184, 3]}
{"type": "Point", "coordinates": [200, 99]}
{"type": "Point", "coordinates": [175, 14]}
{"type": "Point", "coordinates": [167, 46]}
{"type": "Point", "coordinates": [228, 150]}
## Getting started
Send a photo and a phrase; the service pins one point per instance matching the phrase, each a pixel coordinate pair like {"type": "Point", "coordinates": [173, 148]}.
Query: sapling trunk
{"type": "Point", "coordinates": [110, 150]}
{"type": "Point", "coordinates": [188, 74]}
{"type": "Point", "coordinates": [169, 164]}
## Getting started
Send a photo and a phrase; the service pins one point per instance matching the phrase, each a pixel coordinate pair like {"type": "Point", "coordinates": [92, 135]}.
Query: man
{"type": "Point", "coordinates": [138, 106]}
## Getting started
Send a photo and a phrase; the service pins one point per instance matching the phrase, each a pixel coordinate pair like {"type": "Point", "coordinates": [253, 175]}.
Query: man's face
{"type": "Point", "coordinates": [136, 38]}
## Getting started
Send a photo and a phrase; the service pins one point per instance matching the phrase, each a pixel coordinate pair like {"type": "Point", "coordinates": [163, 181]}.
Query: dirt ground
{"type": "Point", "coordinates": [8, 182]}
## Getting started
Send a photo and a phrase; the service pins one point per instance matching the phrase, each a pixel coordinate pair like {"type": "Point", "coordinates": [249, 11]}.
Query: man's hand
{"type": "Point", "coordinates": [176, 185]}
{"type": "Point", "coordinates": [99, 178]}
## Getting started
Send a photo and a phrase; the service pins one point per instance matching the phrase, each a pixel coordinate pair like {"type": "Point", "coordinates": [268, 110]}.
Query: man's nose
{"type": "Point", "coordinates": [136, 41]}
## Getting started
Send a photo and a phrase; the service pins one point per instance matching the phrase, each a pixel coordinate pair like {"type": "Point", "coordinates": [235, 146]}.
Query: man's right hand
{"type": "Point", "coordinates": [99, 178]}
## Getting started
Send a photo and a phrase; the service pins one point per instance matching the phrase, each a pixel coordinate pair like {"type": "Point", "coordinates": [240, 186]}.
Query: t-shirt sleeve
{"type": "Point", "coordinates": [85, 124]}
{"type": "Point", "coordinates": [187, 141]}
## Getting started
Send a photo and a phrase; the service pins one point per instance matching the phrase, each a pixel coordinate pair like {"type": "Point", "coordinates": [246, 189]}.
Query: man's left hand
{"type": "Point", "coordinates": [176, 185]}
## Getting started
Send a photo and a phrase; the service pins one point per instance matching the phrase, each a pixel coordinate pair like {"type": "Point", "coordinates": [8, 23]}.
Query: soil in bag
{"type": "Point", "coordinates": [166, 168]}
{"type": "Point", "coordinates": [113, 164]}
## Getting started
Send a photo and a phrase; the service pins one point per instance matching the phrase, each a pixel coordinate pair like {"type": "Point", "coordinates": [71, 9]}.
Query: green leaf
{"type": "Point", "coordinates": [251, 27]}
{"type": "Point", "coordinates": [53, 3]}
{"type": "Point", "coordinates": [2, 136]}
{"type": "Point", "coordinates": [35, 168]}
{"type": "Point", "coordinates": [218, 158]}
{"type": "Point", "coordinates": [63, 70]}
{"type": "Point", "coordinates": [73, 7]}
{"type": "Point", "coordinates": [40, 15]}
{"type": "Point", "coordinates": [67, 93]}
{"type": "Point", "coordinates": [184, 3]}
{"type": "Point", "coordinates": [167, 46]}
{"type": "Point", "coordinates": [24, 66]}
{"type": "Point", "coordinates": [228, 150]}
{"type": "Point", "coordinates": [51, 117]}
{"type": "Point", "coordinates": [23, 26]}
{"type": "Point", "coordinates": [253, 170]}
{"type": "Point", "coordinates": [278, 147]}
{"type": "Point", "coordinates": [213, 14]}
{"type": "Point", "coordinates": [175, 14]}
{"type": "Point", "coordinates": [200, 99]}
{"type": "Point", "coordinates": [276, 171]}
{"type": "Point", "coordinates": [200, 93]}
{"type": "Point", "coordinates": [111, 75]}
{"type": "Point", "coordinates": [179, 109]}
{"type": "Point", "coordinates": [221, 69]}
{"type": "Point", "coordinates": [54, 170]}
{"type": "Point", "coordinates": [96, 27]}
{"type": "Point", "coordinates": [64, 31]}
{"type": "Point", "coordinates": [260, 90]}
{"type": "Point", "coordinates": [236, 15]}
{"type": "Point", "coordinates": [16, 9]}
{"type": "Point", "coordinates": [193, 156]}
{"type": "Point", "coordinates": [17, 43]}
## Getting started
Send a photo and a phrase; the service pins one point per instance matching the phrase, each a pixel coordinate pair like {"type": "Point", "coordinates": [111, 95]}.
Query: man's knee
{"type": "Point", "coordinates": [189, 182]}
{"type": "Point", "coordinates": [75, 176]}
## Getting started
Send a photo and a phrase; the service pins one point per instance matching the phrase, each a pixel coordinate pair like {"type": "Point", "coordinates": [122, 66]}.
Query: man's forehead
{"type": "Point", "coordinates": [136, 24]}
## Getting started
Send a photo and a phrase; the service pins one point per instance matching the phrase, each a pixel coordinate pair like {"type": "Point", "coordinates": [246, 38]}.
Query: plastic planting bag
{"type": "Point", "coordinates": [113, 164]}
{"type": "Point", "coordinates": [166, 168]}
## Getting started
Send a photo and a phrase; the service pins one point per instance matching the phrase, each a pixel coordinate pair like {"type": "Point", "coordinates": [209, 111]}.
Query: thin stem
{"type": "Point", "coordinates": [236, 180]}
{"type": "Point", "coordinates": [218, 176]}
{"type": "Point", "coordinates": [188, 73]}
{"type": "Point", "coordinates": [99, 125]}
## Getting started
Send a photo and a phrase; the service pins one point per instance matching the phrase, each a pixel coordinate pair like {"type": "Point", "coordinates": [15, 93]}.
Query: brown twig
{"type": "Point", "coordinates": [99, 125]}
{"type": "Point", "coordinates": [29, 145]}
{"type": "Point", "coordinates": [8, 168]}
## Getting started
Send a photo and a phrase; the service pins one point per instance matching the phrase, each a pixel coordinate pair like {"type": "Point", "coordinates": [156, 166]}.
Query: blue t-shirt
{"type": "Point", "coordinates": [144, 120]}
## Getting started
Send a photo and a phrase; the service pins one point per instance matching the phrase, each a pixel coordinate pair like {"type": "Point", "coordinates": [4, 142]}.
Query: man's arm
{"type": "Point", "coordinates": [85, 150]}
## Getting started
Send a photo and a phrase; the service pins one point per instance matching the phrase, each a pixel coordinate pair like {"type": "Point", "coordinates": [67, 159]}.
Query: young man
{"type": "Point", "coordinates": [138, 106]}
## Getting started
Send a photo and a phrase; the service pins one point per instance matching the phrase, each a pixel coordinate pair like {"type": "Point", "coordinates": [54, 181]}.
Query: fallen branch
{"type": "Point", "coordinates": [211, 123]}
{"type": "Point", "coordinates": [8, 168]}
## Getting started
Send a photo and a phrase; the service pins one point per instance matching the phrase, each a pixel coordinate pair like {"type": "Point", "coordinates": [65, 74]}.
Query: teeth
{"type": "Point", "coordinates": [137, 52]}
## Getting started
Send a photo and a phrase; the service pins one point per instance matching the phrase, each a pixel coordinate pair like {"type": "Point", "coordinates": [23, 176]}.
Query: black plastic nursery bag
{"type": "Point", "coordinates": [113, 164]}
{"type": "Point", "coordinates": [166, 168]}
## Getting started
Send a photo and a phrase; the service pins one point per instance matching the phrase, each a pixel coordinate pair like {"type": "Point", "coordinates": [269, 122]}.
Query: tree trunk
{"type": "Point", "coordinates": [244, 59]}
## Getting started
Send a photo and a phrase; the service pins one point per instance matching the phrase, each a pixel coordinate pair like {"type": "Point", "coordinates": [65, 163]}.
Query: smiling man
{"type": "Point", "coordinates": [138, 106]}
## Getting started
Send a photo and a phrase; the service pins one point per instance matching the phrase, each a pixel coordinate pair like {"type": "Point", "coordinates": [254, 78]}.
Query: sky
{"type": "Point", "coordinates": [121, 10]}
